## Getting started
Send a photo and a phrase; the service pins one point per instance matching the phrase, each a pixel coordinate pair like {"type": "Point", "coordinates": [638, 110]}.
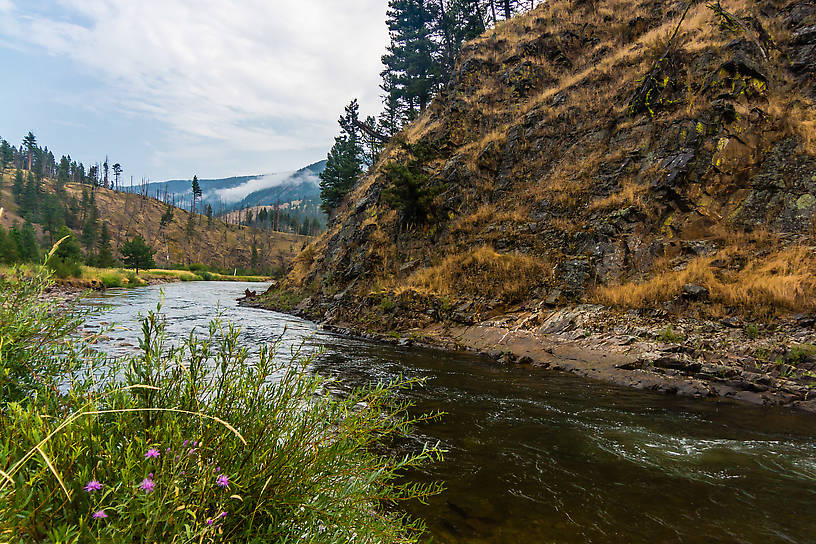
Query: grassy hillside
{"type": "Point", "coordinates": [581, 153]}
{"type": "Point", "coordinates": [218, 245]}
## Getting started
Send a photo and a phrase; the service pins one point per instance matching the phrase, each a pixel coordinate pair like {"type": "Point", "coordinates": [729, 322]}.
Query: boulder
{"type": "Point", "coordinates": [692, 291]}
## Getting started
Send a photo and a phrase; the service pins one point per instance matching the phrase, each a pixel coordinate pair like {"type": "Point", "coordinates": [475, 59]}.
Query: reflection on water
{"type": "Point", "coordinates": [537, 456]}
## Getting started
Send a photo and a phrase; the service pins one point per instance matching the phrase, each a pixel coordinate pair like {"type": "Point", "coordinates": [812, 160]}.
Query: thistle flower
{"type": "Point", "coordinates": [93, 485]}
{"type": "Point", "coordinates": [223, 481]}
{"type": "Point", "coordinates": [152, 453]}
{"type": "Point", "coordinates": [147, 485]}
{"type": "Point", "coordinates": [99, 514]}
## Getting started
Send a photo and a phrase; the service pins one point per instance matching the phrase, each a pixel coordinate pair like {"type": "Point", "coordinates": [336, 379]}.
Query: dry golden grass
{"type": "Point", "coordinates": [481, 272]}
{"type": "Point", "coordinates": [785, 280]}
{"type": "Point", "coordinates": [488, 214]}
{"type": "Point", "coordinates": [630, 194]}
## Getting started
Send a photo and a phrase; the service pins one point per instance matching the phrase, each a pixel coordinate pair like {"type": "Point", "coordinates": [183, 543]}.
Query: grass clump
{"type": "Point", "coordinates": [670, 336]}
{"type": "Point", "coordinates": [783, 280]}
{"type": "Point", "coordinates": [198, 442]}
{"type": "Point", "coordinates": [481, 272]}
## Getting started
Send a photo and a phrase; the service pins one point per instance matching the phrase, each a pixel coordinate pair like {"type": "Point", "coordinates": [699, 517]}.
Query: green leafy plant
{"type": "Point", "coordinates": [752, 331]}
{"type": "Point", "coordinates": [670, 336]}
{"type": "Point", "coordinates": [198, 442]}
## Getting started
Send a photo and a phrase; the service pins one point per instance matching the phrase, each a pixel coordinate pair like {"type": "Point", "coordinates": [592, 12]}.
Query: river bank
{"type": "Point", "coordinates": [767, 364]}
{"type": "Point", "coordinates": [534, 455]}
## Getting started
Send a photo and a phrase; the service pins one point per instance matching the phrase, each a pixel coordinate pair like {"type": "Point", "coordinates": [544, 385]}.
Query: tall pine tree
{"type": "Point", "coordinates": [344, 163]}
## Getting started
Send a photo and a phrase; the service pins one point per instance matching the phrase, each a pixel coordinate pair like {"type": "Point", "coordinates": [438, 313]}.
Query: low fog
{"type": "Point", "coordinates": [236, 194]}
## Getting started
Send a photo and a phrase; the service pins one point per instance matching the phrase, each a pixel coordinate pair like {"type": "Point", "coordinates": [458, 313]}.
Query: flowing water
{"type": "Point", "coordinates": [538, 456]}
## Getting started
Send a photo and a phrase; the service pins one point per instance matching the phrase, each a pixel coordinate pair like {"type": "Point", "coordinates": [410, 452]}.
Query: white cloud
{"type": "Point", "coordinates": [253, 75]}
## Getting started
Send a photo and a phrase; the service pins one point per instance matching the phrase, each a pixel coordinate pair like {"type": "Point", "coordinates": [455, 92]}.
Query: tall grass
{"type": "Point", "coordinates": [481, 272]}
{"type": "Point", "coordinates": [196, 442]}
{"type": "Point", "coordinates": [783, 280]}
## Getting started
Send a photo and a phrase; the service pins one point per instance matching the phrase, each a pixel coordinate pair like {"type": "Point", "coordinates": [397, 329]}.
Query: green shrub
{"type": "Point", "coordinates": [752, 331]}
{"type": "Point", "coordinates": [195, 443]}
{"type": "Point", "coordinates": [111, 278]}
{"type": "Point", "coordinates": [670, 336]}
{"type": "Point", "coordinates": [198, 267]}
{"type": "Point", "coordinates": [64, 268]}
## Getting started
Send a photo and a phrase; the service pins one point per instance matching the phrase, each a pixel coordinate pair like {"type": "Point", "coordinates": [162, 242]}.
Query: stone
{"type": "Point", "coordinates": [732, 322]}
{"type": "Point", "coordinates": [692, 291]}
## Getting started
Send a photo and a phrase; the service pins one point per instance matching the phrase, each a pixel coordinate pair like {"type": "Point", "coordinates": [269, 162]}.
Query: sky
{"type": "Point", "coordinates": [172, 88]}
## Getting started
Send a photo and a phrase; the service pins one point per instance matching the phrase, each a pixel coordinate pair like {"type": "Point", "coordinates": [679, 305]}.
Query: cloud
{"type": "Point", "coordinates": [236, 194]}
{"type": "Point", "coordinates": [252, 75]}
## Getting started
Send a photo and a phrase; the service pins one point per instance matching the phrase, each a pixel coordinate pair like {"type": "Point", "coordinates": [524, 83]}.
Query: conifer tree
{"type": "Point", "coordinates": [343, 166]}
{"type": "Point", "coordinates": [29, 247]}
{"type": "Point", "coordinates": [30, 143]}
{"type": "Point", "coordinates": [344, 162]}
{"type": "Point", "coordinates": [117, 171]}
{"type": "Point", "coordinates": [105, 258]}
{"type": "Point", "coordinates": [409, 62]}
{"type": "Point", "coordinates": [196, 192]}
{"type": "Point", "coordinates": [137, 254]}
{"type": "Point", "coordinates": [19, 186]}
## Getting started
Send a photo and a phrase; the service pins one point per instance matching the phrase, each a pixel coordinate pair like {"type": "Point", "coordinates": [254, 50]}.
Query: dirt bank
{"type": "Point", "coordinates": [770, 365]}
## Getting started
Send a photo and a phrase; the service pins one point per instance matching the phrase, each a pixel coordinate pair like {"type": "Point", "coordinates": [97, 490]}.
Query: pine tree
{"type": "Point", "coordinates": [8, 250]}
{"type": "Point", "coordinates": [30, 143]}
{"type": "Point", "coordinates": [19, 186]}
{"type": "Point", "coordinates": [196, 192]}
{"type": "Point", "coordinates": [167, 216]}
{"type": "Point", "coordinates": [29, 202]}
{"type": "Point", "coordinates": [29, 247]}
{"type": "Point", "coordinates": [209, 216]}
{"type": "Point", "coordinates": [410, 65]}
{"type": "Point", "coordinates": [105, 258]}
{"type": "Point", "coordinates": [137, 254]}
{"type": "Point", "coordinates": [343, 166]}
{"type": "Point", "coordinates": [344, 162]}
{"type": "Point", "coordinates": [117, 171]}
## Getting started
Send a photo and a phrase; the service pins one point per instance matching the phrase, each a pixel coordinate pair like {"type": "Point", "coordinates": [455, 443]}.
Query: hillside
{"type": "Point", "coordinates": [220, 245]}
{"type": "Point", "coordinates": [127, 215]}
{"type": "Point", "coordinates": [580, 154]}
{"type": "Point", "coordinates": [244, 191]}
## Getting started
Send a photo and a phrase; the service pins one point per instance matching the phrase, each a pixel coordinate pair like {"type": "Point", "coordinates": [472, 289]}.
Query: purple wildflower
{"type": "Point", "coordinates": [183, 473]}
{"type": "Point", "coordinates": [147, 485]}
{"type": "Point", "coordinates": [223, 481]}
{"type": "Point", "coordinates": [150, 475]}
{"type": "Point", "coordinates": [152, 453]}
{"type": "Point", "coordinates": [184, 443]}
{"type": "Point", "coordinates": [93, 485]}
{"type": "Point", "coordinates": [222, 515]}
{"type": "Point", "coordinates": [99, 514]}
{"type": "Point", "coordinates": [209, 521]}
{"type": "Point", "coordinates": [217, 469]}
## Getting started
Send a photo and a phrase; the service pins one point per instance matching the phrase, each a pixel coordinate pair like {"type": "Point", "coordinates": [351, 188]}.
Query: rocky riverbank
{"type": "Point", "coordinates": [770, 364]}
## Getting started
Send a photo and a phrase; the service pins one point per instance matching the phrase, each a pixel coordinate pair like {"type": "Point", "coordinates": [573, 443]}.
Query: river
{"type": "Point", "coordinates": [539, 456]}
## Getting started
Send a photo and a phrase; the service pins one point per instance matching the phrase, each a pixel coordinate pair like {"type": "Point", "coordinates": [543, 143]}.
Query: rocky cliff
{"type": "Point", "coordinates": [656, 160]}
{"type": "Point", "coordinates": [608, 151]}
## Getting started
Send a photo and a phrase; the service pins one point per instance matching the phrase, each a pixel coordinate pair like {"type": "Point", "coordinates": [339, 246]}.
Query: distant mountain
{"type": "Point", "coordinates": [237, 192]}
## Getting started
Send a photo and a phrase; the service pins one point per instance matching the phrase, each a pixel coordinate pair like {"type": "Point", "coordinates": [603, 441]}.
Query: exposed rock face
{"type": "Point", "coordinates": [536, 153]}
